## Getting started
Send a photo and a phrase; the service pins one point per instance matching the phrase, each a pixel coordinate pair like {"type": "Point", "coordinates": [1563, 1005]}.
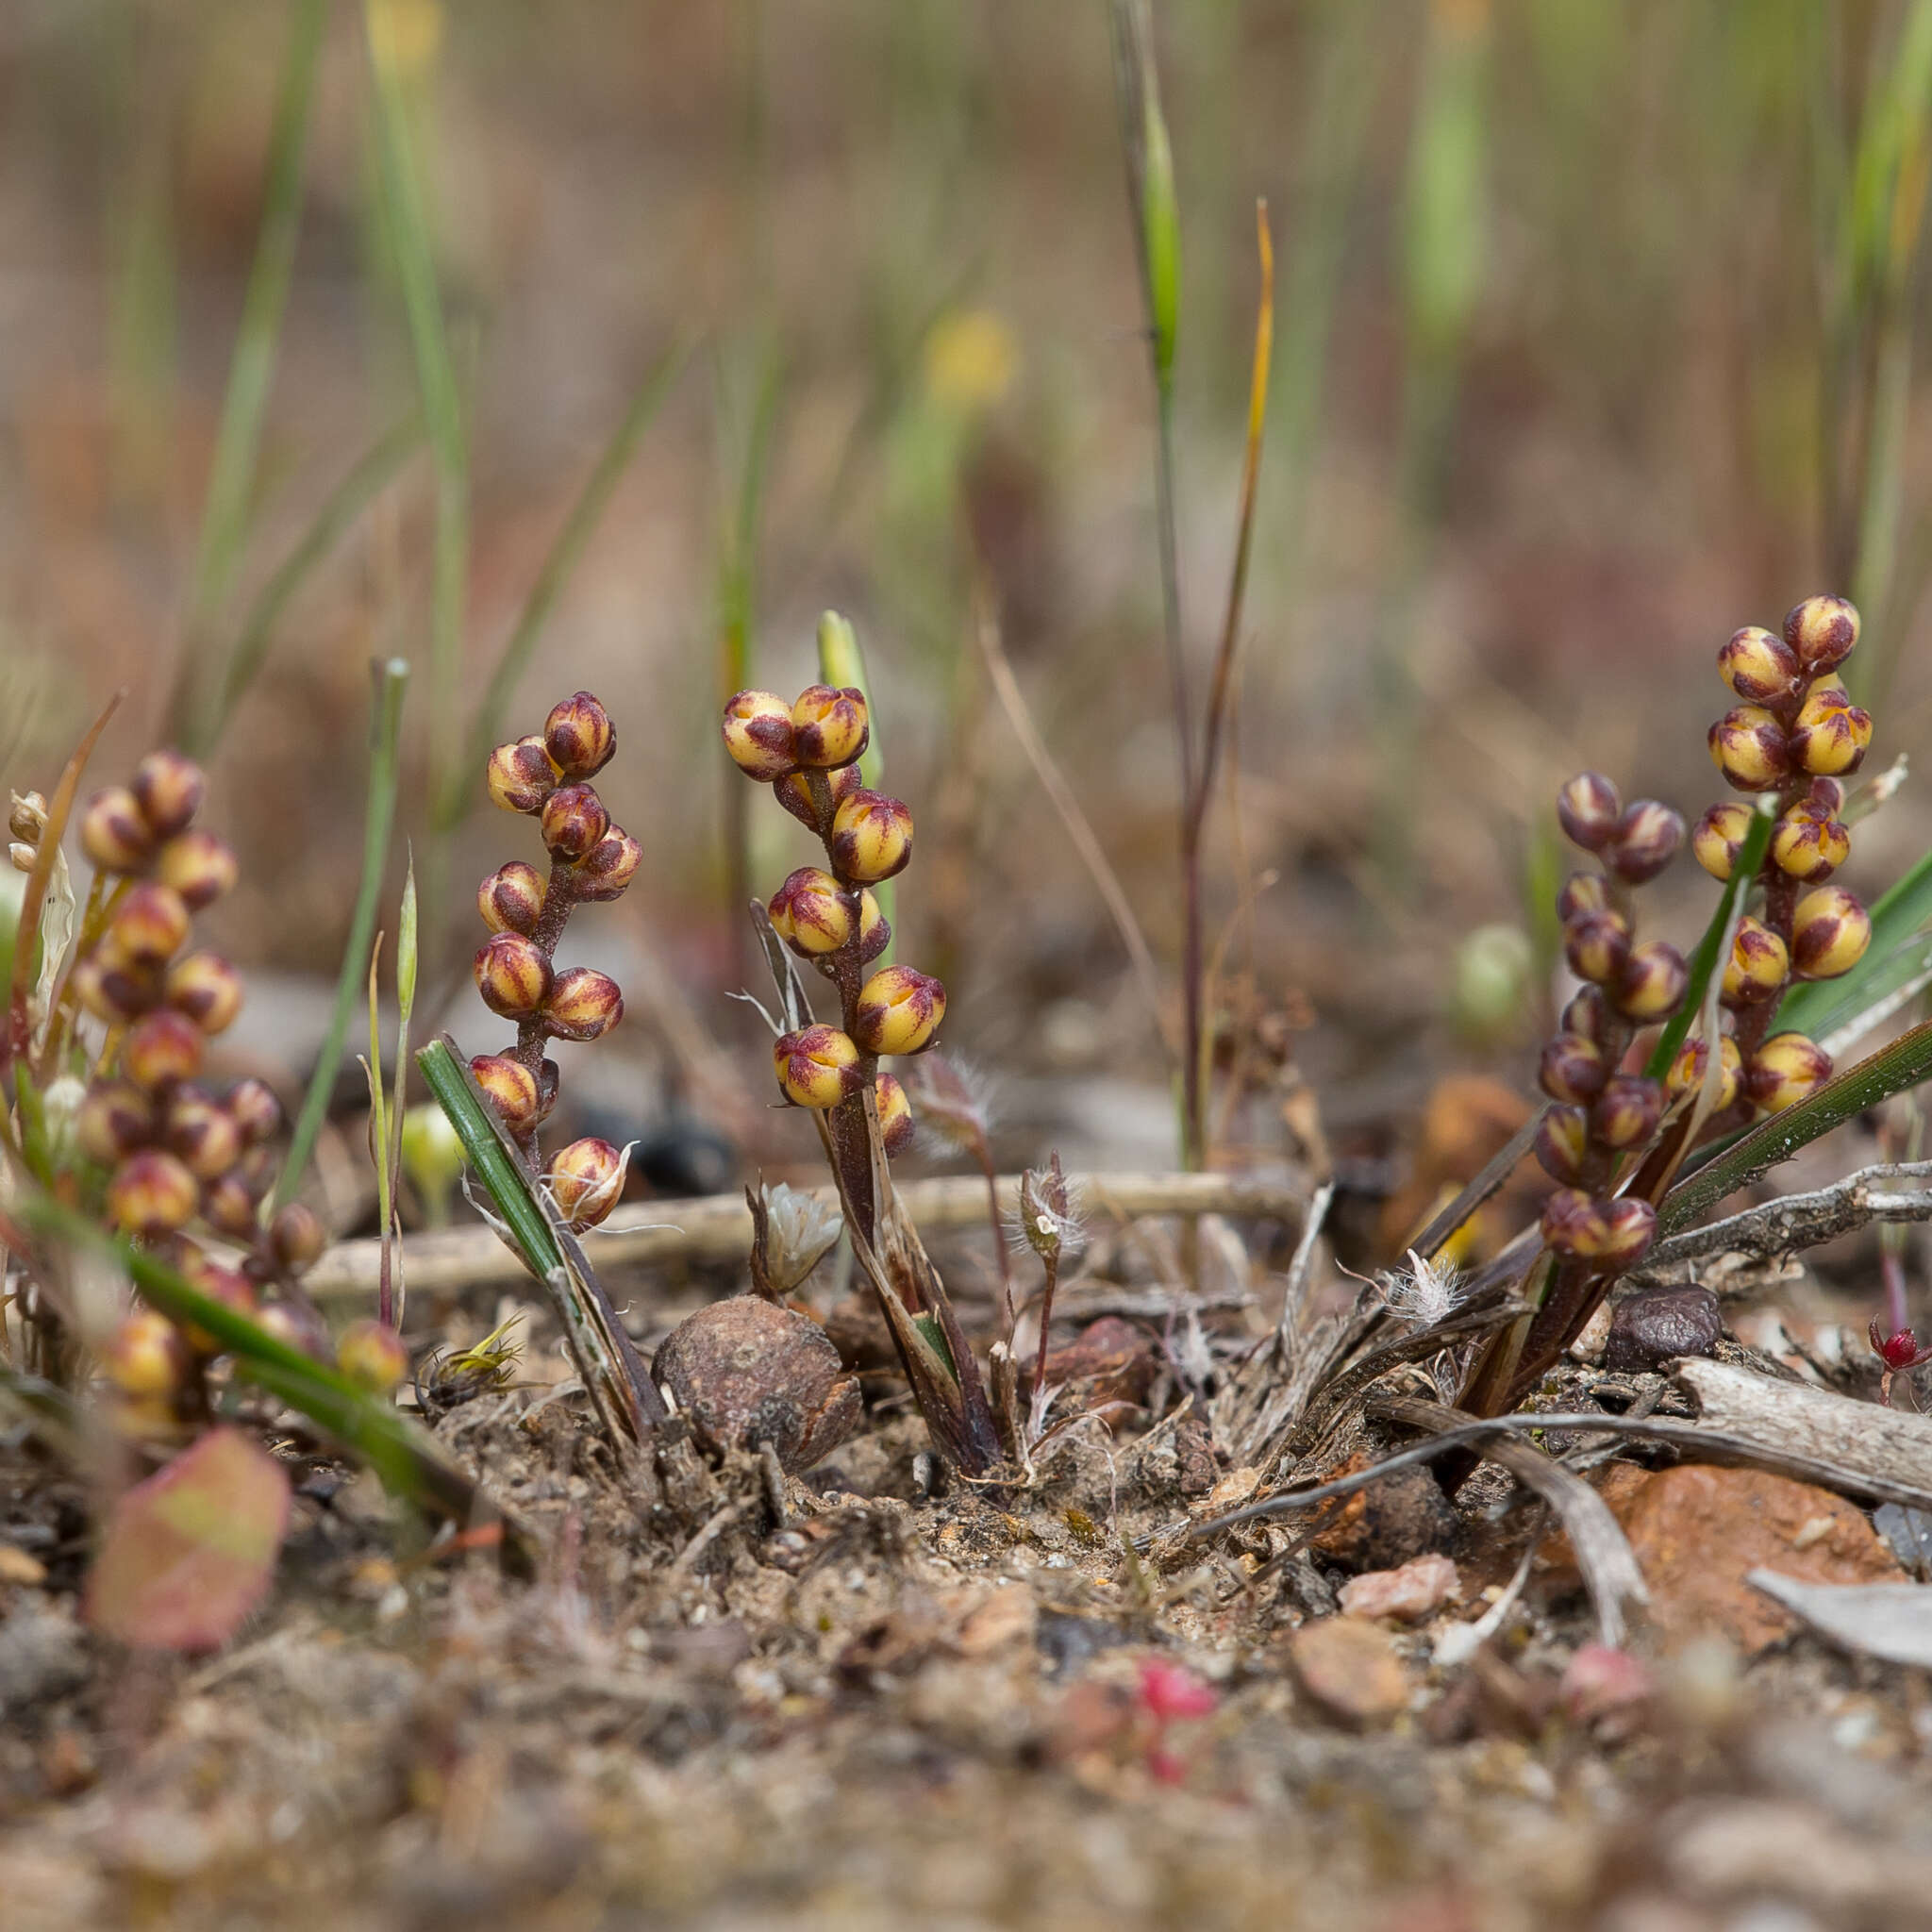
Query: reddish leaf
{"type": "Point", "coordinates": [189, 1553]}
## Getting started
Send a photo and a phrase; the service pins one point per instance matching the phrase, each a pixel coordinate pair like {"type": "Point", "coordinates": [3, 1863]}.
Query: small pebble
{"type": "Point", "coordinates": [1659, 1325]}
{"type": "Point", "coordinates": [1416, 1591]}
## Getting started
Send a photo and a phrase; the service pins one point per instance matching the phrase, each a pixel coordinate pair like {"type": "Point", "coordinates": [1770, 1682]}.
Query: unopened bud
{"type": "Point", "coordinates": [21, 856]}
{"type": "Point", "coordinates": [1587, 1013]}
{"type": "Point", "coordinates": [1761, 668]}
{"type": "Point", "coordinates": [1823, 631]}
{"type": "Point", "coordinates": [579, 736]}
{"type": "Point", "coordinates": [1596, 946]}
{"type": "Point", "coordinates": [1626, 1112]}
{"type": "Point", "coordinates": [1646, 840]}
{"type": "Point", "coordinates": [227, 1205]}
{"type": "Point", "coordinates": [1563, 1139]}
{"type": "Point", "coordinates": [1622, 1232]}
{"type": "Point", "coordinates": [817, 1066]}
{"type": "Point", "coordinates": [161, 1049]}
{"type": "Point", "coordinates": [758, 735]}
{"type": "Point", "coordinates": [112, 993]}
{"type": "Point", "coordinates": [297, 1327]}
{"type": "Point", "coordinates": [793, 792]}
{"type": "Point", "coordinates": [1759, 966]}
{"type": "Point", "coordinates": [1827, 796]}
{"type": "Point", "coordinates": [872, 837]}
{"type": "Point", "coordinates": [813, 913]}
{"type": "Point", "coordinates": [1588, 808]}
{"type": "Point", "coordinates": [229, 1286]}
{"type": "Point", "coordinates": [584, 1004]}
{"type": "Point", "coordinates": [519, 777]}
{"type": "Point", "coordinates": [114, 833]}
{"type": "Point", "coordinates": [146, 930]}
{"type": "Point", "coordinates": [899, 1010]}
{"type": "Point", "coordinates": [203, 1135]}
{"type": "Point", "coordinates": [1654, 981]}
{"type": "Point", "coordinates": [147, 1355]}
{"type": "Point", "coordinates": [512, 974]}
{"type": "Point", "coordinates": [168, 789]}
{"type": "Point", "coordinates": [1788, 1068]}
{"type": "Point", "coordinates": [549, 1082]}
{"type": "Point", "coordinates": [874, 928]}
{"type": "Point", "coordinates": [1583, 893]}
{"type": "Point", "coordinates": [587, 1179]}
{"type": "Point", "coordinates": [895, 1114]}
{"type": "Point", "coordinates": [255, 1111]}
{"type": "Point", "coordinates": [205, 988]}
{"type": "Point", "coordinates": [432, 1152]}
{"type": "Point", "coordinates": [512, 897]}
{"type": "Point", "coordinates": [151, 1195]}
{"type": "Point", "coordinates": [1687, 1071]}
{"type": "Point", "coordinates": [574, 820]}
{"type": "Point", "coordinates": [608, 866]}
{"type": "Point", "coordinates": [372, 1355]}
{"type": "Point", "coordinates": [829, 726]}
{"type": "Point", "coordinates": [115, 1119]}
{"type": "Point", "coordinates": [1747, 745]}
{"type": "Point", "coordinates": [1569, 1217]}
{"type": "Point", "coordinates": [1718, 837]}
{"type": "Point", "coordinates": [1810, 844]}
{"type": "Point", "coordinates": [1831, 734]}
{"type": "Point", "coordinates": [197, 865]}
{"type": "Point", "coordinates": [509, 1087]}
{"type": "Point", "coordinates": [27, 818]}
{"type": "Point", "coordinates": [1830, 931]}
{"type": "Point", "coordinates": [296, 1238]}
{"type": "Point", "coordinates": [1571, 1069]}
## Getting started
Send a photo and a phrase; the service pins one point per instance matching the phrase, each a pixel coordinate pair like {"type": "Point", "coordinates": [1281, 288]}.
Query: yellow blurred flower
{"type": "Point", "coordinates": [971, 358]}
{"type": "Point", "coordinates": [405, 35]}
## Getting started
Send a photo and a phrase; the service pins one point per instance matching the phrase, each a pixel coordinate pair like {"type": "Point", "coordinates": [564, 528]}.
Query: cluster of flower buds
{"type": "Point", "coordinates": [547, 776]}
{"type": "Point", "coordinates": [809, 753]}
{"type": "Point", "coordinates": [1795, 736]}
{"type": "Point", "coordinates": [1603, 1113]}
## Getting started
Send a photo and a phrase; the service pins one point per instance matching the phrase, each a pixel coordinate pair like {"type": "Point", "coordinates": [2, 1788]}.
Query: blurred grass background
{"type": "Point", "coordinates": [1596, 331]}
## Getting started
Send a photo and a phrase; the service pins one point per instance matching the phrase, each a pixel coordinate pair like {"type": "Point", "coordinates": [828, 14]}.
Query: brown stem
{"type": "Point", "coordinates": [1051, 1263]}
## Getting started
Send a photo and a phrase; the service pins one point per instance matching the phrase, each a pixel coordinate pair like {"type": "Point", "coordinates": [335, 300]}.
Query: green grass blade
{"type": "Point", "coordinates": [391, 680]}
{"type": "Point", "coordinates": [843, 662]}
{"type": "Point", "coordinates": [1899, 951]}
{"type": "Point", "coordinates": [459, 788]}
{"type": "Point", "coordinates": [1903, 1063]}
{"type": "Point", "coordinates": [1704, 961]}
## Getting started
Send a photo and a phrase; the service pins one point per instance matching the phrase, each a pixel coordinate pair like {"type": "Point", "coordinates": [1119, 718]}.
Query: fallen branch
{"type": "Point", "coordinates": [715, 1229]}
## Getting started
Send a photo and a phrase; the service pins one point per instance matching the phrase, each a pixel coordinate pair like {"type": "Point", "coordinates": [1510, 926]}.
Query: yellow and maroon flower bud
{"type": "Point", "coordinates": [608, 866]}
{"type": "Point", "coordinates": [829, 726]}
{"type": "Point", "coordinates": [1823, 631]}
{"type": "Point", "coordinates": [200, 1133]}
{"type": "Point", "coordinates": [872, 837]}
{"type": "Point", "coordinates": [587, 1180]}
{"type": "Point", "coordinates": [1570, 1218]}
{"type": "Point", "coordinates": [512, 897]}
{"type": "Point", "coordinates": [371, 1353]}
{"type": "Point", "coordinates": [1831, 733]}
{"type": "Point", "coordinates": [549, 1082]}
{"type": "Point", "coordinates": [813, 913]}
{"type": "Point", "coordinates": [1626, 1112]}
{"type": "Point", "coordinates": [197, 865]}
{"type": "Point", "coordinates": [875, 930]}
{"type": "Point", "coordinates": [899, 1010]}
{"type": "Point", "coordinates": [579, 736]}
{"type": "Point", "coordinates": [1827, 796]}
{"type": "Point", "coordinates": [168, 789]}
{"type": "Point", "coordinates": [793, 792]}
{"type": "Point", "coordinates": [584, 1004]}
{"type": "Point", "coordinates": [1747, 745]}
{"type": "Point", "coordinates": [161, 1049]}
{"type": "Point", "coordinates": [1597, 946]}
{"type": "Point", "coordinates": [228, 1204]}
{"type": "Point", "coordinates": [1761, 668]}
{"type": "Point", "coordinates": [1583, 893]}
{"type": "Point", "coordinates": [152, 1194]}
{"type": "Point", "coordinates": [1759, 966]}
{"type": "Point", "coordinates": [1587, 1013]}
{"type": "Point", "coordinates": [112, 993]}
{"type": "Point", "coordinates": [229, 1286]}
{"type": "Point", "coordinates": [512, 974]}
{"type": "Point", "coordinates": [896, 1130]}
{"type": "Point", "coordinates": [1830, 931]}
{"type": "Point", "coordinates": [574, 820]}
{"type": "Point", "coordinates": [1687, 1071]}
{"type": "Point", "coordinates": [1646, 840]}
{"type": "Point", "coordinates": [520, 775]}
{"type": "Point", "coordinates": [147, 1356]}
{"type": "Point", "coordinates": [115, 1119]}
{"type": "Point", "coordinates": [296, 1238]}
{"type": "Point", "coordinates": [1562, 1140]}
{"type": "Point", "coordinates": [1718, 837]}
{"type": "Point", "coordinates": [114, 833]}
{"type": "Point", "coordinates": [146, 930]}
{"type": "Point", "coordinates": [509, 1087]}
{"type": "Point", "coordinates": [1788, 1068]}
{"type": "Point", "coordinates": [1571, 1069]}
{"type": "Point", "coordinates": [1810, 844]}
{"type": "Point", "coordinates": [1589, 807]}
{"type": "Point", "coordinates": [1652, 982]}
{"type": "Point", "coordinates": [207, 989]}
{"type": "Point", "coordinates": [255, 1111]}
{"type": "Point", "coordinates": [758, 735]}
{"type": "Point", "coordinates": [817, 1066]}
{"type": "Point", "coordinates": [1620, 1232]}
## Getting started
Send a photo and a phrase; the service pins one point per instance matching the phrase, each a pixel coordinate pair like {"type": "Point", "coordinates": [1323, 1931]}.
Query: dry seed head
{"type": "Point", "coordinates": [161, 1049]}
{"type": "Point", "coordinates": [1597, 946]}
{"type": "Point", "coordinates": [1810, 844]}
{"type": "Point", "coordinates": [197, 865]}
{"type": "Point", "coordinates": [115, 832]}
{"type": "Point", "coordinates": [587, 1180]}
{"type": "Point", "coordinates": [151, 1195]}
{"type": "Point", "coordinates": [1589, 807]}
{"type": "Point", "coordinates": [899, 1010]}
{"type": "Point", "coordinates": [1830, 931]}
{"type": "Point", "coordinates": [509, 1087]}
{"type": "Point", "coordinates": [371, 1353]}
{"type": "Point", "coordinates": [608, 866]}
{"type": "Point", "coordinates": [1760, 667]}
{"type": "Point", "coordinates": [512, 897]}
{"type": "Point", "coordinates": [817, 1066]}
{"type": "Point", "coordinates": [1831, 734]}
{"type": "Point", "coordinates": [896, 1129]}
{"type": "Point", "coordinates": [520, 775]}
{"type": "Point", "coordinates": [574, 821]}
{"type": "Point", "coordinates": [758, 734]}
{"type": "Point", "coordinates": [27, 818]}
{"type": "Point", "coordinates": [1049, 1221]}
{"type": "Point", "coordinates": [1823, 631]}
{"type": "Point", "coordinates": [1718, 837]}
{"type": "Point", "coordinates": [1652, 982]}
{"type": "Point", "coordinates": [1647, 838]}
{"type": "Point", "coordinates": [1571, 1069]}
{"type": "Point", "coordinates": [800, 1230]}
{"type": "Point", "coordinates": [955, 1103]}
{"type": "Point", "coordinates": [1626, 1112]}
{"type": "Point", "coordinates": [1426, 1292]}
{"type": "Point", "coordinates": [512, 974]}
{"type": "Point", "coordinates": [583, 1005]}
{"type": "Point", "coordinates": [1786, 1069]}
{"type": "Point", "coordinates": [812, 913]}
{"type": "Point", "coordinates": [1759, 966]}
{"type": "Point", "coordinates": [21, 856]}
{"type": "Point", "coordinates": [579, 736]}
{"type": "Point", "coordinates": [147, 929]}
{"type": "Point", "coordinates": [168, 789]}
{"type": "Point", "coordinates": [1562, 1140]}
{"type": "Point", "coordinates": [205, 988]}
{"type": "Point", "coordinates": [1687, 1071]}
{"type": "Point", "coordinates": [872, 837]}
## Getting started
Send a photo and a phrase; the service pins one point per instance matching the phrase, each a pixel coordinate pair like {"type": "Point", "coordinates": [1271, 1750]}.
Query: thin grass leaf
{"type": "Point", "coordinates": [391, 681]}
{"type": "Point", "coordinates": [842, 662]}
{"type": "Point", "coordinates": [1704, 961]}
{"type": "Point", "coordinates": [371, 474]}
{"type": "Point", "coordinates": [1903, 1064]}
{"type": "Point", "coordinates": [584, 514]}
{"type": "Point", "coordinates": [389, 1154]}
{"type": "Point", "coordinates": [1899, 952]}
